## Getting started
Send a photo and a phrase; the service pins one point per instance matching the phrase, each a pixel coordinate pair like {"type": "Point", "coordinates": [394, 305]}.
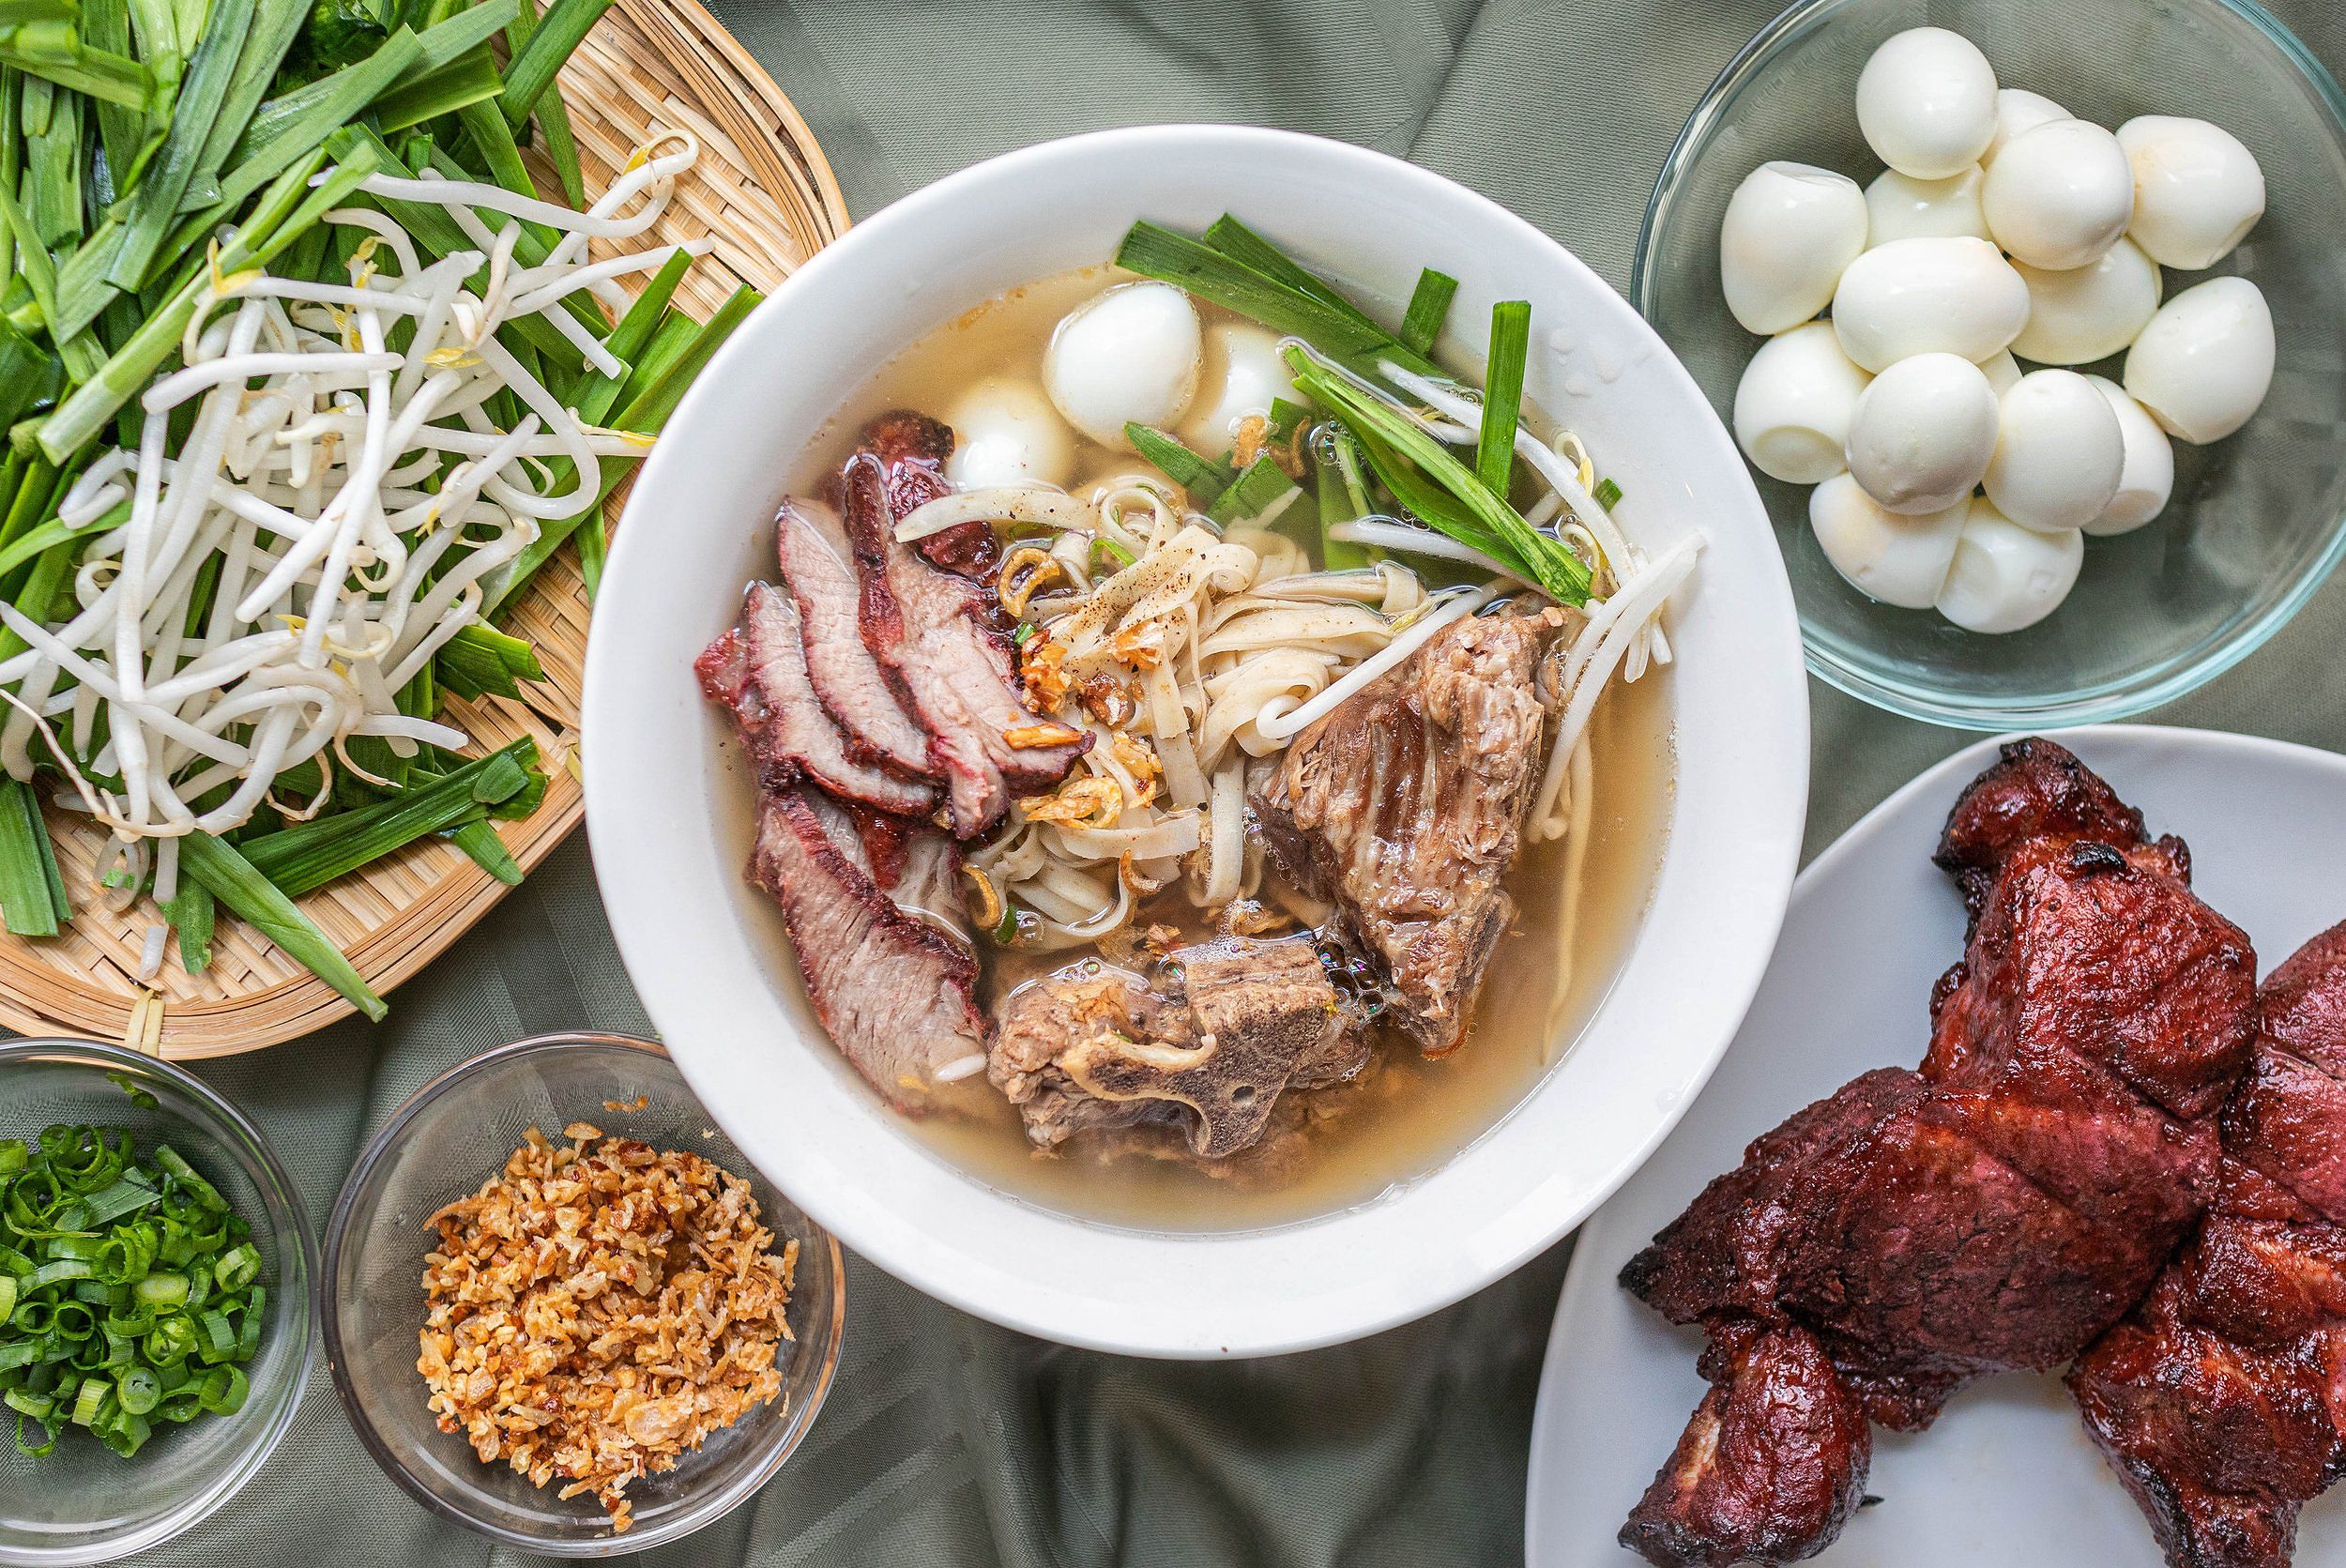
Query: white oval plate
{"type": "Point", "coordinates": [2007, 1475]}
{"type": "Point", "coordinates": [667, 806]}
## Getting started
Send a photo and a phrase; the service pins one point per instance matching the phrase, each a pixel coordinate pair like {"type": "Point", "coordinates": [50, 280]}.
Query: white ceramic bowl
{"type": "Point", "coordinates": [670, 832]}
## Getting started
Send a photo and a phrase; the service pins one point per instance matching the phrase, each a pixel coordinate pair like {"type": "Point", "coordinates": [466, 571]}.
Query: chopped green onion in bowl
{"type": "Point", "coordinates": [130, 1291]}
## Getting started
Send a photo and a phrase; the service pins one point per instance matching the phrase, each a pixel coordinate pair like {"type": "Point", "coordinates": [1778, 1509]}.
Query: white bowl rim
{"type": "Point", "coordinates": [1194, 1294]}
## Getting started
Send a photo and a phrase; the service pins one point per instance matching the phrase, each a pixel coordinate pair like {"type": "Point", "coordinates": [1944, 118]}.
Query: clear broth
{"type": "Point", "coordinates": [1406, 1115]}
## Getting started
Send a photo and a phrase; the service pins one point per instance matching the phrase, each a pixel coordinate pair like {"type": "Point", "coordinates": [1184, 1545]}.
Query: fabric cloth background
{"type": "Point", "coordinates": [948, 1441]}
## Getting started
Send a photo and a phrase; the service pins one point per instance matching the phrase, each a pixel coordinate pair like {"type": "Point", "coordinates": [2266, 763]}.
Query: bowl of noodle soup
{"type": "Point", "coordinates": [1658, 846]}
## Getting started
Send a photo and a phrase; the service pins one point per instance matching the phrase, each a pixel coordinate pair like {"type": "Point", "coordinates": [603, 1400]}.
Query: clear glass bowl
{"type": "Point", "coordinates": [2257, 521]}
{"type": "Point", "coordinates": [82, 1504]}
{"type": "Point", "coordinates": [451, 1135]}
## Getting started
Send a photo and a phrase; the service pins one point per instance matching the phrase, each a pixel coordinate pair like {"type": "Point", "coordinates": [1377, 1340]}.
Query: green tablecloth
{"type": "Point", "coordinates": [948, 1441]}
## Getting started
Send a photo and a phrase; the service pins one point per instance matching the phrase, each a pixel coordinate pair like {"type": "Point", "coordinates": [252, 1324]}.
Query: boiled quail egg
{"type": "Point", "coordinates": [2205, 361]}
{"type": "Point", "coordinates": [1128, 355]}
{"type": "Point", "coordinates": [1890, 556]}
{"type": "Point", "coordinates": [2088, 313]}
{"type": "Point", "coordinates": [2018, 110]}
{"type": "Point", "coordinates": [1923, 433]}
{"type": "Point", "coordinates": [2059, 194]}
{"type": "Point", "coordinates": [1923, 296]}
{"type": "Point", "coordinates": [2059, 452]}
{"type": "Point", "coordinates": [1006, 432]}
{"type": "Point", "coordinates": [1900, 206]}
{"type": "Point", "coordinates": [1927, 102]}
{"type": "Point", "coordinates": [2197, 191]}
{"type": "Point", "coordinates": [1793, 406]}
{"type": "Point", "coordinates": [2006, 577]}
{"type": "Point", "coordinates": [1243, 376]}
{"type": "Point", "coordinates": [2147, 477]}
{"type": "Point", "coordinates": [1790, 230]}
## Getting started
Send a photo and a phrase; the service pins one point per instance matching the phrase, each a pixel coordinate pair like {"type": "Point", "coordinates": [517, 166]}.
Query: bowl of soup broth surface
{"type": "Point", "coordinates": [1630, 948]}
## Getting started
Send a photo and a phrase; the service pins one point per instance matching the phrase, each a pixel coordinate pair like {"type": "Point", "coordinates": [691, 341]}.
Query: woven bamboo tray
{"type": "Point", "coordinates": [764, 194]}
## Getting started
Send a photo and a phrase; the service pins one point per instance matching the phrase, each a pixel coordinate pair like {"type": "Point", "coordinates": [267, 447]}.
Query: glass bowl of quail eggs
{"type": "Point", "coordinates": [2030, 321]}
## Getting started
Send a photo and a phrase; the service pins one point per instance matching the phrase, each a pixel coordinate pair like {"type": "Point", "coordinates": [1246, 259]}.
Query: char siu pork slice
{"type": "Point", "coordinates": [1772, 1464]}
{"type": "Point", "coordinates": [1996, 1210]}
{"type": "Point", "coordinates": [893, 988]}
{"type": "Point", "coordinates": [758, 670]}
{"type": "Point", "coordinates": [1238, 1023]}
{"type": "Point", "coordinates": [1405, 807]}
{"type": "Point", "coordinates": [818, 567]}
{"type": "Point", "coordinates": [936, 635]}
{"type": "Point", "coordinates": [2221, 1402]}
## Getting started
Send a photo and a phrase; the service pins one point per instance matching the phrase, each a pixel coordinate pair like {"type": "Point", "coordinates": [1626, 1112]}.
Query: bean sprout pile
{"type": "Point", "coordinates": [317, 502]}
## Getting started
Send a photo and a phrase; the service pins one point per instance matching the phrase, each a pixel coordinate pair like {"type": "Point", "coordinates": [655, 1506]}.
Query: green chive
{"type": "Point", "coordinates": [1544, 560]}
{"type": "Point", "coordinates": [308, 854]}
{"type": "Point", "coordinates": [1203, 478]}
{"type": "Point", "coordinates": [531, 72]}
{"type": "Point", "coordinates": [1429, 307]}
{"type": "Point", "coordinates": [1502, 393]}
{"type": "Point", "coordinates": [261, 905]}
{"type": "Point", "coordinates": [1242, 245]}
{"type": "Point", "coordinates": [1156, 251]}
{"type": "Point", "coordinates": [26, 899]}
{"type": "Point", "coordinates": [479, 841]}
{"type": "Point", "coordinates": [1261, 492]}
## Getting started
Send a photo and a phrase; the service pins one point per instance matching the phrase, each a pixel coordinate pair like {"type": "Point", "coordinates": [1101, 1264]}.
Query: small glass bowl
{"type": "Point", "coordinates": [82, 1504]}
{"type": "Point", "coordinates": [2257, 520]}
{"type": "Point", "coordinates": [451, 1135]}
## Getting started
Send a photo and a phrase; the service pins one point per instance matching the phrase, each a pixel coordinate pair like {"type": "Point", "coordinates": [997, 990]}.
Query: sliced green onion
{"type": "Point", "coordinates": [1606, 494]}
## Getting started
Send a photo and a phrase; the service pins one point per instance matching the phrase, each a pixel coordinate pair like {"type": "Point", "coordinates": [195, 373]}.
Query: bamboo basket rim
{"type": "Point", "coordinates": [765, 196]}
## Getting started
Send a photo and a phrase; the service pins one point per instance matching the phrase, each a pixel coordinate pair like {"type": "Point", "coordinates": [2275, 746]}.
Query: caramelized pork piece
{"type": "Point", "coordinates": [1238, 1023]}
{"type": "Point", "coordinates": [2221, 1402]}
{"type": "Point", "coordinates": [818, 567]}
{"type": "Point", "coordinates": [1771, 1466]}
{"type": "Point", "coordinates": [936, 635]}
{"type": "Point", "coordinates": [1405, 808]}
{"type": "Point", "coordinates": [2038, 791]}
{"type": "Point", "coordinates": [891, 986]}
{"type": "Point", "coordinates": [2003, 1205]}
{"type": "Point", "coordinates": [914, 448]}
{"type": "Point", "coordinates": [758, 670]}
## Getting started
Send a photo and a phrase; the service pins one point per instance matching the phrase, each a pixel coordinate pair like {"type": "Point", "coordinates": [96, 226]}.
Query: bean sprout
{"type": "Point", "coordinates": [340, 493]}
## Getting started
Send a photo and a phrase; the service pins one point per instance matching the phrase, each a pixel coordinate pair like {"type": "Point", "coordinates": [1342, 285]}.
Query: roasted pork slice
{"type": "Point", "coordinates": [936, 635]}
{"type": "Point", "coordinates": [758, 670]}
{"type": "Point", "coordinates": [914, 449]}
{"type": "Point", "coordinates": [892, 989]}
{"type": "Point", "coordinates": [818, 567]}
{"type": "Point", "coordinates": [2039, 791]}
{"type": "Point", "coordinates": [1237, 1024]}
{"type": "Point", "coordinates": [2221, 1402]}
{"type": "Point", "coordinates": [1771, 1466]}
{"type": "Point", "coordinates": [2000, 1207]}
{"type": "Point", "coordinates": [1403, 808]}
